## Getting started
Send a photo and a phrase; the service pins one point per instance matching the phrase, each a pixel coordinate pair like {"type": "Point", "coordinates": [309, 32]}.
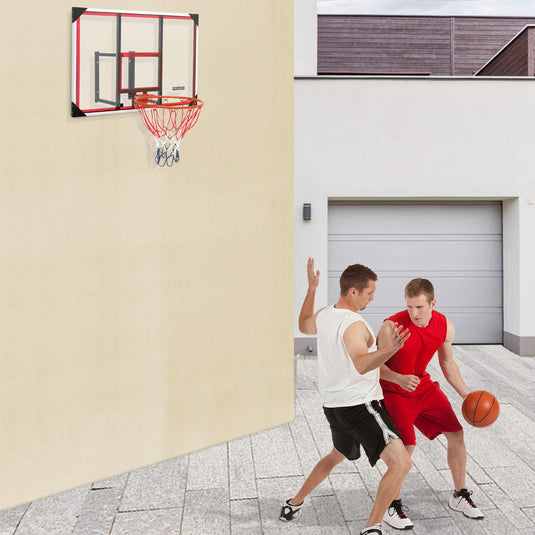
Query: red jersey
{"type": "Point", "coordinates": [418, 350]}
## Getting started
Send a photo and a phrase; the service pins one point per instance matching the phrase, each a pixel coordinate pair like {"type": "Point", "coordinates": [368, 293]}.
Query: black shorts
{"type": "Point", "coordinates": [367, 425]}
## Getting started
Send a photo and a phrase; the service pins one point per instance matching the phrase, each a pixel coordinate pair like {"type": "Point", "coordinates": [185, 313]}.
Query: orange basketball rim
{"type": "Point", "coordinates": [168, 118]}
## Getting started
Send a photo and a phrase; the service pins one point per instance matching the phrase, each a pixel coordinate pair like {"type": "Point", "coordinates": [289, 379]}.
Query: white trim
{"type": "Point", "coordinates": [121, 11]}
{"type": "Point", "coordinates": [387, 432]}
{"type": "Point", "coordinates": [467, 77]}
{"type": "Point", "coordinates": [74, 35]}
{"type": "Point", "coordinates": [419, 15]}
{"type": "Point", "coordinates": [196, 59]}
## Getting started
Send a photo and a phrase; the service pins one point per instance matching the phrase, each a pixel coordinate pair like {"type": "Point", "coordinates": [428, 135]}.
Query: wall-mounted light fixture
{"type": "Point", "coordinates": [307, 211]}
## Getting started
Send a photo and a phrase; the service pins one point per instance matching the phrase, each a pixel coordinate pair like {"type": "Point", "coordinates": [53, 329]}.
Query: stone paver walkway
{"type": "Point", "coordinates": [238, 487]}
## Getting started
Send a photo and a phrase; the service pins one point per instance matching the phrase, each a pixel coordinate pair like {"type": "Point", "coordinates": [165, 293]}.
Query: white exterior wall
{"type": "Point", "coordinates": [305, 38]}
{"type": "Point", "coordinates": [394, 138]}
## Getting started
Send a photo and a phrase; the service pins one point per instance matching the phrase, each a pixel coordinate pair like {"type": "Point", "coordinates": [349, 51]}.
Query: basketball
{"type": "Point", "coordinates": [481, 408]}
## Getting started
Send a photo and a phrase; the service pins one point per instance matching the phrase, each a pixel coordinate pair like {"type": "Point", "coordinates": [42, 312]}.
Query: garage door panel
{"type": "Point", "coordinates": [449, 292]}
{"type": "Point", "coordinates": [481, 291]}
{"type": "Point", "coordinates": [411, 218]}
{"type": "Point", "coordinates": [412, 237]}
{"type": "Point", "coordinates": [487, 326]}
{"type": "Point", "coordinates": [415, 255]}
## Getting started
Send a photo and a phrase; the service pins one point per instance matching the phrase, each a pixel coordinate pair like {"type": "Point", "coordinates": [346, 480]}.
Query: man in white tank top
{"type": "Point", "coordinates": [348, 376]}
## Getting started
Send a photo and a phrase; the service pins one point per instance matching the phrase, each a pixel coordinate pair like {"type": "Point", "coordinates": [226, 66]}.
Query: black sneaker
{"type": "Point", "coordinates": [289, 511]}
{"type": "Point", "coordinates": [395, 516]}
{"type": "Point", "coordinates": [462, 501]}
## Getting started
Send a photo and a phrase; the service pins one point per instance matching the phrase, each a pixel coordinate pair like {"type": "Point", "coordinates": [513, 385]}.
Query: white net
{"type": "Point", "coordinates": [168, 119]}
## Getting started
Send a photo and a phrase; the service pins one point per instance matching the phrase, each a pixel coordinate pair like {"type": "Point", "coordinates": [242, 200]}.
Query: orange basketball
{"type": "Point", "coordinates": [480, 408]}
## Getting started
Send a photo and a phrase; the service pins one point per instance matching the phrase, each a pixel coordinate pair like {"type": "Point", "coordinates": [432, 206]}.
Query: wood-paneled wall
{"type": "Point", "coordinates": [437, 46]}
{"type": "Point", "coordinates": [515, 59]}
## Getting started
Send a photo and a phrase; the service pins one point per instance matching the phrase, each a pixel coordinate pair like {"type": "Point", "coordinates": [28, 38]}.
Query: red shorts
{"type": "Point", "coordinates": [430, 412]}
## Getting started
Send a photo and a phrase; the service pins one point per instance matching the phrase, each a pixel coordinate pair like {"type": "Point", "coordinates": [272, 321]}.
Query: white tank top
{"type": "Point", "coordinates": [340, 384]}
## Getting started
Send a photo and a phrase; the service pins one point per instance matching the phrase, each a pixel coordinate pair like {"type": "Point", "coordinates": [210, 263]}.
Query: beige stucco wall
{"type": "Point", "coordinates": [144, 312]}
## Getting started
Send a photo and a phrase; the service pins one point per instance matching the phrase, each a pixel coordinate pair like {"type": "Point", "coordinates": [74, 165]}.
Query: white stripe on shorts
{"type": "Point", "coordinates": [387, 432]}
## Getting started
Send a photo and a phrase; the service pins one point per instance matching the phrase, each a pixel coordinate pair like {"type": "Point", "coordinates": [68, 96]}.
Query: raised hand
{"type": "Point", "coordinates": [313, 278]}
{"type": "Point", "coordinates": [399, 336]}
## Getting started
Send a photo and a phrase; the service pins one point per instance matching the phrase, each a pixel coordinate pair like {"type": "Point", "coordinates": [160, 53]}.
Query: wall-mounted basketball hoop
{"type": "Point", "coordinates": [168, 118]}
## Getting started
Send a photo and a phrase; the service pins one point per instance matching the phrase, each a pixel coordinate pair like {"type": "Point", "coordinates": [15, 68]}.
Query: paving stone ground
{"type": "Point", "coordinates": [238, 487]}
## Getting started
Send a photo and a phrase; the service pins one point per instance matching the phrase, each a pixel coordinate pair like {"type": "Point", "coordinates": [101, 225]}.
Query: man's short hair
{"type": "Point", "coordinates": [356, 276]}
{"type": "Point", "coordinates": [417, 287]}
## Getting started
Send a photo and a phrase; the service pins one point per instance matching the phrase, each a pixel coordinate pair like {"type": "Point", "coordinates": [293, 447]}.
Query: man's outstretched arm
{"type": "Point", "coordinates": [407, 382]}
{"type": "Point", "coordinates": [449, 366]}
{"type": "Point", "coordinates": [356, 342]}
{"type": "Point", "coordinates": [307, 317]}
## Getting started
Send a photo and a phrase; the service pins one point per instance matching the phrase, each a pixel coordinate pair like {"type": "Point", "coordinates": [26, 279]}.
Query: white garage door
{"type": "Point", "coordinates": [458, 246]}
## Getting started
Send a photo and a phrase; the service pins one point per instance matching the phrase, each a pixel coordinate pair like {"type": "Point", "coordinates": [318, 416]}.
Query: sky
{"type": "Point", "coordinates": [429, 7]}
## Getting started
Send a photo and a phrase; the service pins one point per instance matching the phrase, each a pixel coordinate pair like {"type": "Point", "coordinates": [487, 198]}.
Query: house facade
{"type": "Point", "coordinates": [417, 175]}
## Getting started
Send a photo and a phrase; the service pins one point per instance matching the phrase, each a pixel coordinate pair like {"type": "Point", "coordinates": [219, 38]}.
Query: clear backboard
{"type": "Point", "coordinates": [118, 54]}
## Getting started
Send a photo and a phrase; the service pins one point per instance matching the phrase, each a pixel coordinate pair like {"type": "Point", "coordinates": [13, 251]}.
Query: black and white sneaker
{"type": "Point", "coordinates": [289, 511]}
{"type": "Point", "coordinates": [462, 501]}
{"type": "Point", "coordinates": [396, 517]}
{"type": "Point", "coordinates": [376, 529]}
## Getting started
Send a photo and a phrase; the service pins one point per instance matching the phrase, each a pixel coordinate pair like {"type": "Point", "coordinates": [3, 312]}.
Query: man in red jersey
{"type": "Point", "coordinates": [412, 399]}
